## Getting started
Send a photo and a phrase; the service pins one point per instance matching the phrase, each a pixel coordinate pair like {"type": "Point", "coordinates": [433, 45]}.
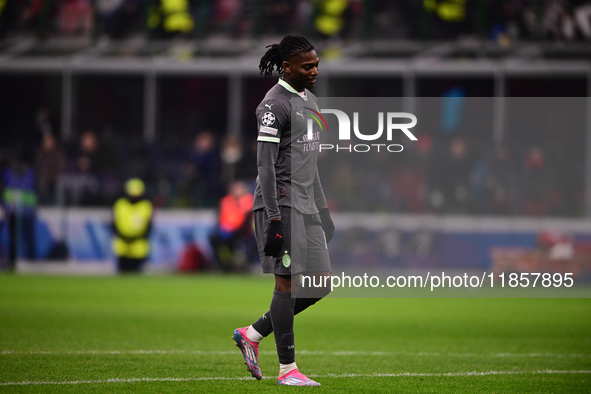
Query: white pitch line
{"type": "Point", "coordinates": [301, 352]}
{"type": "Point", "coordinates": [350, 375]}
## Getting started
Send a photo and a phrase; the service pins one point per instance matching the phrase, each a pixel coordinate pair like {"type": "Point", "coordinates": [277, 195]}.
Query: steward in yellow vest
{"type": "Point", "coordinates": [132, 222]}
{"type": "Point", "coordinates": [447, 10]}
{"type": "Point", "coordinates": [171, 17]}
{"type": "Point", "coordinates": [448, 18]}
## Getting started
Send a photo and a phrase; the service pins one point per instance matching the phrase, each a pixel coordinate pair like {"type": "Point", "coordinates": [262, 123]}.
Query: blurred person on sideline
{"type": "Point", "coordinates": [231, 155]}
{"type": "Point", "coordinates": [501, 182]}
{"type": "Point", "coordinates": [236, 161]}
{"type": "Point", "coordinates": [233, 240]}
{"type": "Point", "coordinates": [537, 182]}
{"type": "Point", "coordinates": [88, 165]}
{"type": "Point", "coordinates": [88, 156]}
{"type": "Point", "coordinates": [450, 180]}
{"type": "Point", "coordinates": [206, 161]}
{"type": "Point", "coordinates": [20, 206]}
{"type": "Point", "coordinates": [50, 161]}
{"type": "Point", "coordinates": [132, 224]}
{"type": "Point", "coordinates": [408, 182]}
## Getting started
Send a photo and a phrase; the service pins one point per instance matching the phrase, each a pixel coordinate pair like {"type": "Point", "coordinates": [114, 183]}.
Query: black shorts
{"type": "Point", "coordinates": [304, 243]}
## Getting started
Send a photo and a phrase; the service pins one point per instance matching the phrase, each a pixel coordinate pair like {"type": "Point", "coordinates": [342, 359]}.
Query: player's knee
{"type": "Point", "coordinates": [318, 293]}
{"type": "Point", "coordinates": [323, 292]}
{"type": "Point", "coordinates": [283, 283]}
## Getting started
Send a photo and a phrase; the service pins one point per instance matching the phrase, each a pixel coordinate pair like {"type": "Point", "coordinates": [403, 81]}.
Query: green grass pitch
{"type": "Point", "coordinates": [171, 334]}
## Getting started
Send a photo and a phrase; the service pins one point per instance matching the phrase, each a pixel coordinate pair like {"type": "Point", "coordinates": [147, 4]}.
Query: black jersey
{"type": "Point", "coordinates": [285, 146]}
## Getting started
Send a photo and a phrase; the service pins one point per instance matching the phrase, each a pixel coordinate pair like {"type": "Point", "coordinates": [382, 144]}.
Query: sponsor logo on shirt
{"type": "Point", "coordinates": [268, 130]}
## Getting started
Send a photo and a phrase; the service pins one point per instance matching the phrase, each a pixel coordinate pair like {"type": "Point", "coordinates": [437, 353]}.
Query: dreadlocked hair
{"type": "Point", "coordinates": [278, 53]}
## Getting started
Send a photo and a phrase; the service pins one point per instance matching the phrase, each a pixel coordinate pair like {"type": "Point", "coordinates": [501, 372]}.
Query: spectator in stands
{"type": "Point", "coordinates": [75, 17]}
{"type": "Point", "coordinates": [582, 16]}
{"type": "Point", "coordinates": [233, 241]}
{"type": "Point", "coordinates": [51, 162]}
{"type": "Point", "coordinates": [119, 17]}
{"type": "Point", "coordinates": [557, 22]}
{"type": "Point", "coordinates": [228, 15]}
{"type": "Point", "coordinates": [278, 16]}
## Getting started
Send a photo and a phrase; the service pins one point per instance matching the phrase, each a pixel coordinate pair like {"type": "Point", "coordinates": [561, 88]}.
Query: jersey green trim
{"type": "Point", "coordinates": [269, 139]}
{"type": "Point", "coordinates": [291, 89]}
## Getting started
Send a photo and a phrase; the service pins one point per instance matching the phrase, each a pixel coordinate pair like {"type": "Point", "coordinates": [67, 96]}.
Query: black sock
{"type": "Point", "coordinates": [302, 303]}
{"type": "Point", "coordinates": [264, 326]}
{"type": "Point", "coordinates": [282, 308]}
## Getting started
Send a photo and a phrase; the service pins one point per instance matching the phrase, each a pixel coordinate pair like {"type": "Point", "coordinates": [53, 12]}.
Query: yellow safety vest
{"type": "Point", "coordinates": [330, 18]}
{"type": "Point", "coordinates": [177, 16]}
{"type": "Point", "coordinates": [132, 221]}
{"type": "Point", "coordinates": [174, 15]}
{"type": "Point", "coordinates": [449, 10]}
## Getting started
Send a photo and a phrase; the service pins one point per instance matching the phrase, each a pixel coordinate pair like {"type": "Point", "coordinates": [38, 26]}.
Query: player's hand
{"type": "Point", "coordinates": [274, 238]}
{"type": "Point", "coordinates": [327, 224]}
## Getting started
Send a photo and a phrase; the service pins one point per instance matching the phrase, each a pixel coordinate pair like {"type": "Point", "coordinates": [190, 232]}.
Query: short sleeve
{"type": "Point", "coordinates": [272, 119]}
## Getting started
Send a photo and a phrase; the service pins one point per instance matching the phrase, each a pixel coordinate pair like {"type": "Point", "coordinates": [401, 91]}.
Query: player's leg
{"type": "Point", "coordinates": [316, 279]}
{"type": "Point", "coordinates": [263, 327]}
{"type": "Point", "coordinates": [280, 315]}
{"type": "Point", "coordinates": [279, 318]}
{"type": "Point", "coordinates": [247, 339]}
{"type": "Point", "coordinates": [282, 303]}
{"type": "Point", "coordinates": [295, 260]}
{"type": "Point", "coordinates": [318, 267]}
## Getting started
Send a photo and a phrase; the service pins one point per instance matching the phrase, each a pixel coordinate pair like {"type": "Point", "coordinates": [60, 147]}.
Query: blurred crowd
{"type": "Point", "coordinates": [499, 20]}
{"type": "Point", "coordinates": [457, 175]}
{"type": "Point", "coordinates": [91, 172]}
{"type": "Point", "coordinates": [436, 174]}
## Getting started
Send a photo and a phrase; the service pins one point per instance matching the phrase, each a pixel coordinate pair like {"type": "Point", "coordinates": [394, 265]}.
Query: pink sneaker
{"type": "Point", "coordinates": [250, 351]}
{"type": "Point", "coordinates": [295, 378]}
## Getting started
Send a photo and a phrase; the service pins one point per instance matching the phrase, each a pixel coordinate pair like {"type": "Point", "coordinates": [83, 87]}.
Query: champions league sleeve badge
{"type": "Point", "coordinates": [268, 119]}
